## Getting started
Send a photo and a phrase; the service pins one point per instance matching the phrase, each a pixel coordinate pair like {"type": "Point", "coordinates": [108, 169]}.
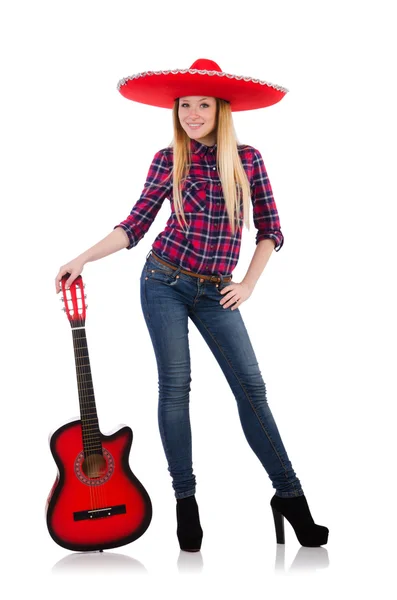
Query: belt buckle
{"type": "Point", "coordinates": [214, 278]}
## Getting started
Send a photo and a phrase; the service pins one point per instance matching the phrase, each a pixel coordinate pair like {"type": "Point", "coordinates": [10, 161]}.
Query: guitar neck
{"type": "Point", "coordinates": [89, 419]}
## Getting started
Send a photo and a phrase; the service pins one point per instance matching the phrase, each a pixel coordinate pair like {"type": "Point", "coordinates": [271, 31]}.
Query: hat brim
{"type": "Point", "coordinates": [161, 88]}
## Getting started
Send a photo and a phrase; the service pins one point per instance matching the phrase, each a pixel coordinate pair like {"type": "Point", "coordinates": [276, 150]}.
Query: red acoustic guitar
{"type": "Point", "coordinates": [96, 501]}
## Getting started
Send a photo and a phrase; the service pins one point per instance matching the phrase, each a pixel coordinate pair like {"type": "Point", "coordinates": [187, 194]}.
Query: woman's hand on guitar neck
{"type": "Point", "coordinates": [74, 267]}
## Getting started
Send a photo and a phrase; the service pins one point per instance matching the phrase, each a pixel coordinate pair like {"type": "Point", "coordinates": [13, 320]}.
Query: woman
{"type": "Point", "coordinates": [210, 180]}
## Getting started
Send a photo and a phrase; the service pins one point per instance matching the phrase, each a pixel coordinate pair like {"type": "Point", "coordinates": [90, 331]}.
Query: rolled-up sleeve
{"type": "Point", "coordinates": [265, 213]}
{"type": "Point", "coordinates": [157, 187]}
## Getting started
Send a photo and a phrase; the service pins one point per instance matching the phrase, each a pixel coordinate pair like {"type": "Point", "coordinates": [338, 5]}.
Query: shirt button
{"type": "Point", "coordinates": [214, 168]}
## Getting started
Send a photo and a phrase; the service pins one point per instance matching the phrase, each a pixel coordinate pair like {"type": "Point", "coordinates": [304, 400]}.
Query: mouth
{"type": "Point", "coordinates": [195, 125]}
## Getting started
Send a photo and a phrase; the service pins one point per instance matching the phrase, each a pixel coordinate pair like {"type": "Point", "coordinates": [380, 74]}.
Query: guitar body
{"type": "Point", "coordinates": [96, 501]}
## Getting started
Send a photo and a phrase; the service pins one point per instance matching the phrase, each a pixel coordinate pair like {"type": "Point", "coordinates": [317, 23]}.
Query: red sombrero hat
{"type": "Point", "coordinates": [161, 88]}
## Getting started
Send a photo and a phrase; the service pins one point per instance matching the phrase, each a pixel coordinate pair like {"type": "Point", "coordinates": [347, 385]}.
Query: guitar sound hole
{"type": "Point", "coordinates": [94, 466]}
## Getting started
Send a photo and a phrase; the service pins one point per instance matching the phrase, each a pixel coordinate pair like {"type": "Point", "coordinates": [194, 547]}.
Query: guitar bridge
{"type": "Point", "coordinates": [99, 513]}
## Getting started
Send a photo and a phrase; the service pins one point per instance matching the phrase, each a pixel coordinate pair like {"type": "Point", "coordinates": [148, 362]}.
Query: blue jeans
{"type": "Point", "coordinates": [168, 299]}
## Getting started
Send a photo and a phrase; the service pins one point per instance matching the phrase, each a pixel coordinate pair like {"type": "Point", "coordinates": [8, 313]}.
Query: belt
{"type": "Point", "coordinates": [212, 278]}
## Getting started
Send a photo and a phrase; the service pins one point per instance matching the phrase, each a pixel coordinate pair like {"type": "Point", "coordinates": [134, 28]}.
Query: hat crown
{"type": "Point", "coordinates": [205, 64]}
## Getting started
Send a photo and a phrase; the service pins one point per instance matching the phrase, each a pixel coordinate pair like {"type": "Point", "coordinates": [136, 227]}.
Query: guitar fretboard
{"type": "Point", "coordinates": [89, 419]}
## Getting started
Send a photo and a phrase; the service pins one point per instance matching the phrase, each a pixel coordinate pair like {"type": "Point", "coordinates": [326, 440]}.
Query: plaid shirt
{"type": "Point", "coordinates": [207, 245]}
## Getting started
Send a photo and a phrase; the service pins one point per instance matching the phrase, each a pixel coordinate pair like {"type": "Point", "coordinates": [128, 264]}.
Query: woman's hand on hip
{"type": "Point", "coordinates": [235, 294]}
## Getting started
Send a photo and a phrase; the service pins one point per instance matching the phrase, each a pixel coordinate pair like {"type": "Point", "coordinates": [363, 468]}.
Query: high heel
{"type": "Point", "coordinates": [189, 530]}
{"type": "Point", "coordinates": [296, 511]}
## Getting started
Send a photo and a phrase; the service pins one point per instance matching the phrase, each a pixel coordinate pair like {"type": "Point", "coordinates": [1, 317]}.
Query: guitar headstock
{"type": "Point", "coordinates": [74, 300]}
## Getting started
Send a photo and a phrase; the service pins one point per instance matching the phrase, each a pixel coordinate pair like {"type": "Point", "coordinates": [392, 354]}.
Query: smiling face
{"type": "Point", "coordinates": [197, 116]}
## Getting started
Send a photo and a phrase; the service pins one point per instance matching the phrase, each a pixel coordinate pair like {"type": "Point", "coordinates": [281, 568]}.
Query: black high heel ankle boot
{"type": "Point", "coordinates": [296, 511]}
{"type": "Point", "coordinates": [189, 530]}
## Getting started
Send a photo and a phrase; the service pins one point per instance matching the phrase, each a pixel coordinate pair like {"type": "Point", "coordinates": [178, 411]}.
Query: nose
{"type": "Point", "coordinates": [193, 113]}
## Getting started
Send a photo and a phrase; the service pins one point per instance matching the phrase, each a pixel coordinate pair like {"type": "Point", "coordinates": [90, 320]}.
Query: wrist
{"type": "Point", "coordinates": [250, 284]}
{"type": "Point", "coordinates": [83, 258]}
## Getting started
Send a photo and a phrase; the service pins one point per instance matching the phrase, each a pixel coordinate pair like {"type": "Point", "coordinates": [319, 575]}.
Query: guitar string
{"type": "Point", "coordinates": [78, 353]}
{"type": "Point", "coordinates": [80, 343]}
{"type": "Point", "coordinates": [85, 432]}
{"type": "Point", "coordinates": [93, 438]}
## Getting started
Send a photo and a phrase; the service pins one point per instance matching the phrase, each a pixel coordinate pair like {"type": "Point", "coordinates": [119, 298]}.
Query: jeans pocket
{"type": "Point", "coordinates": [156, 271]}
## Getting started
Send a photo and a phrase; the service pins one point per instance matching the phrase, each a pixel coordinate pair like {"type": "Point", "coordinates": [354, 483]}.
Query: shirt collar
{"type": "Point", "coordinates": [202, 149]}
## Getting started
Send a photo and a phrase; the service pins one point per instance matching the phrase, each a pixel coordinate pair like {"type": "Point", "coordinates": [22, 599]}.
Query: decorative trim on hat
{"type": "Point", "coordinates": [200, 72]}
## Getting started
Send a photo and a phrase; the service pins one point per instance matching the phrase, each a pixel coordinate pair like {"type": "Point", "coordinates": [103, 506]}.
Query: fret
{"type": "Point", "coordinates": [92, 445]}
{"type": "Point", "coordinates": [90, 439]}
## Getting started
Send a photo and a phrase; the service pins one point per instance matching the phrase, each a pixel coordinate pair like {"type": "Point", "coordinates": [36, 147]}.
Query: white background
{"type": "Point", "coordinates": [75, 154]}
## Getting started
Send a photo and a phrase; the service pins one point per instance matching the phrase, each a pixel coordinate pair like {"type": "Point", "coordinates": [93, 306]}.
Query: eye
{"type": "Point", "coordinates": [186, 103]}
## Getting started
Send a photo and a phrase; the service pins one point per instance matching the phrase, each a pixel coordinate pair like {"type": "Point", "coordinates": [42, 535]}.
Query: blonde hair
{"type": "Point", "coordinates": [235, 184]}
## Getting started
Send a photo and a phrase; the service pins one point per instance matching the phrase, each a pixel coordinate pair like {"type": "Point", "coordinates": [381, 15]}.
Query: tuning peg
{"type": "Point", "coordinates": [64, 309]}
